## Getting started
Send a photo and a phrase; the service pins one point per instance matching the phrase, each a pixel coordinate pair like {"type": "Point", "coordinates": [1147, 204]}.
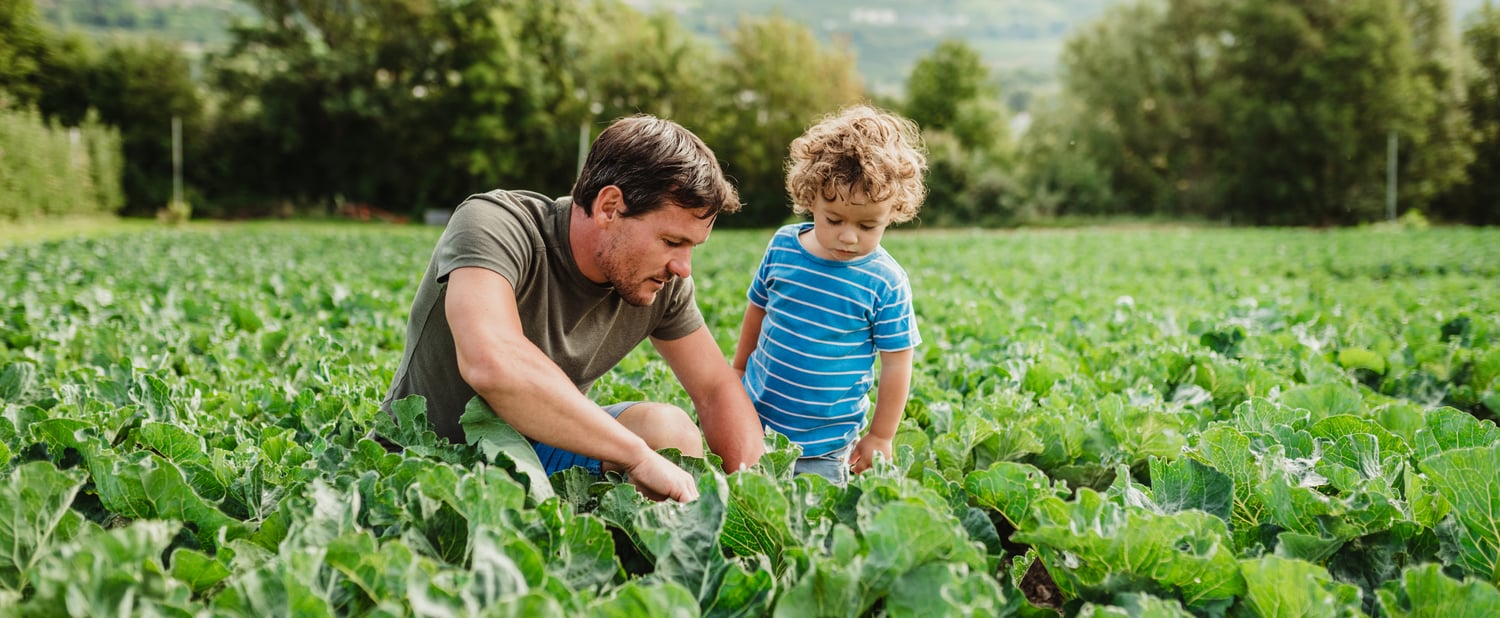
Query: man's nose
{"type": "Point", "coordinates": [681, 265]}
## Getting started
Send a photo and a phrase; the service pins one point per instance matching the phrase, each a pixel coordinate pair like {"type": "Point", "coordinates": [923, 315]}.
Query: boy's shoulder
{"type": "Point", "coordinates": [792, 229]}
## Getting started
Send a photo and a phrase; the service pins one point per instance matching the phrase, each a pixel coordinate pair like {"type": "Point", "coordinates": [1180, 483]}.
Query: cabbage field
{"type": "Point", "coordinates": [1149, 422]}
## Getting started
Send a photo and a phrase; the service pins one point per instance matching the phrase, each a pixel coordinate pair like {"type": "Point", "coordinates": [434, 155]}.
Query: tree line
{"type": "Point", "coordinates": [1246, 111]}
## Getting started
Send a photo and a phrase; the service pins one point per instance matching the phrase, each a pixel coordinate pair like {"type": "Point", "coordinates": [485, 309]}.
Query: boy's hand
{"type": "Point", "coordinates": [863, 455]}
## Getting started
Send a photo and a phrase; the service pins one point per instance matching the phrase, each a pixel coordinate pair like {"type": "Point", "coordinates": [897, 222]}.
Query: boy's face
{"type": "Point", "coordinates": [847, 227]}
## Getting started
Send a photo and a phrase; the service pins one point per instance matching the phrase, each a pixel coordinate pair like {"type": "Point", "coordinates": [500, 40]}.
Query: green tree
{"type": "Point", "coordinates": [404, 105]}
{"type": "Point", "coordinates": [637, 63]}
{"type": "Point", "coordinates": [775, 82]}
{"type": "Point", "coordinates": [1437, 146]}
{"type": "Point", "coordinates": [1061, 172]}
{"type": "Point", "coordinates": [1478, 199]}
{"type": "Point", "coordinates": [22, 41]}
{"type": "Point", "coordinates": [138, 86]}
{"type": "Point", "coordinates": [1317, 86]}
{"type": "Point", "coordinates": [942, 80]}
{"type": "Point", "coordinates": [1148, 73]}
{"type": "Point", "coordinates": [970, 179]}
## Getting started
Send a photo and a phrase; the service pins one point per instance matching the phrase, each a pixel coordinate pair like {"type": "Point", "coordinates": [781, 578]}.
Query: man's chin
{"type": "Point", "coordinates": [639, 298]}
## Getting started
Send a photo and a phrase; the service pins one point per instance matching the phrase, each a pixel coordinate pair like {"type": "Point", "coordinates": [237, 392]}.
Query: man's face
{"type": "Point", "coordinates": [640, 255]}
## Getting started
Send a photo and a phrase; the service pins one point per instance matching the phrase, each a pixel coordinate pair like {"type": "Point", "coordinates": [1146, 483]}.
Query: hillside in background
{"type": "Point", "coordinates": [888, 36]}
{"type": "Point", "coordinates": [1019, 39]}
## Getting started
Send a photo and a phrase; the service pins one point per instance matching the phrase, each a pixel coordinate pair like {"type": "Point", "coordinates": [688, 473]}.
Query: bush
{"type": "Point", "coordinates": [48, 170]}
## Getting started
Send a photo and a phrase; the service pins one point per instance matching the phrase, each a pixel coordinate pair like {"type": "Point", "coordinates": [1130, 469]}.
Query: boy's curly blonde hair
{"type": "Point", "coordinates": [859, 149]}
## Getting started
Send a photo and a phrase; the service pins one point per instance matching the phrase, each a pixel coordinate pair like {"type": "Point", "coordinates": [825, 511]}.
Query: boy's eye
{"type": "Point", "coordinates": [834, 221]}
{"type": "Point", "coordinates": [867, 227]}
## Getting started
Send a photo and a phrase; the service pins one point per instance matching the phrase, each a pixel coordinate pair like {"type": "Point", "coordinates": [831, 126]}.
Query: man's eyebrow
{"type": "Point", "coordinates": [677, 238]}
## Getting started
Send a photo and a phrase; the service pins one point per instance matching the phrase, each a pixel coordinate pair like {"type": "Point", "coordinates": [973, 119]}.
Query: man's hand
{"type": "Point", "coordinates": [863, 455]}
{"type": "Point", "coordinates": [659, 479]}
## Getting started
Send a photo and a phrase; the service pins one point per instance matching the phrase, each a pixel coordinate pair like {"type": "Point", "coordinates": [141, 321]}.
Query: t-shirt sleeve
{"type": "Point", "coordinates": [681, 316]}
{"type": "Point", "coordinates": [758, 294]}
{"type": "Point", "coordinates": [488, 236]}
{"type": "Point", "coordinates": [896, 320]}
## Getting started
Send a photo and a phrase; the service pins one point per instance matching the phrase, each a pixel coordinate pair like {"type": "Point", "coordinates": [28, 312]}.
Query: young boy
{"type": "Point", "coordinates": [827, 297]}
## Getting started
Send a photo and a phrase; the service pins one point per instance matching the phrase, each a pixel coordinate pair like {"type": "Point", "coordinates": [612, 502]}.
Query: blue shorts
{"type": "Point", "coordinates": [833, 466]}
{"type": "Point", "coordinates": [556, 460]}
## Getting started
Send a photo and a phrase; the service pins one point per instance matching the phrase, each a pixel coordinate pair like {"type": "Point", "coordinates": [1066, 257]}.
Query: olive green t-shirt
{"type": "Point", "coordinates": [585, 327]}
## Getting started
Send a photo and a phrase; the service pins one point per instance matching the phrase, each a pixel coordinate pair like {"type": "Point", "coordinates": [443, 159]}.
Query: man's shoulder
{"type": "Point", "coordinates": [516, 201]}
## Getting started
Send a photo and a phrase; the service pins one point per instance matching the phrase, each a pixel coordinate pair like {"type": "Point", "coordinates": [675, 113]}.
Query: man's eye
{"type": "Point", "coordinates": [675, 243]}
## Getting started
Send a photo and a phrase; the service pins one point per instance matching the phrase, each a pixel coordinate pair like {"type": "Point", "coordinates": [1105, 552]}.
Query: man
{"type": "Point", "coordinates": [528, 300]}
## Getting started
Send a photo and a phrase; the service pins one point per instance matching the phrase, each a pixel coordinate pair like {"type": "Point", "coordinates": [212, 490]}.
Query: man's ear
{"type": "Point", "coordinates": [609, 204]}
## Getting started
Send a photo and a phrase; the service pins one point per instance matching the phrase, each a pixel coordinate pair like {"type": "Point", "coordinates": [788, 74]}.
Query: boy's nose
{"type": "Point", "coordinates": [848, 237]}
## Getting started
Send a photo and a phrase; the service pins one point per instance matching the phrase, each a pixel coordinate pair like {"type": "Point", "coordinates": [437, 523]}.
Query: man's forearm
{"type": "Point", "coordinates": [537, 399]}
{"type": "Point", "coordinates": [731, 427]}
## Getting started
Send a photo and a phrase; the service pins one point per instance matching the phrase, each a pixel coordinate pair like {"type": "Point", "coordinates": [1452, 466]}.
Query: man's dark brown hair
{"type": "Point", "coordinates": [654, 162]}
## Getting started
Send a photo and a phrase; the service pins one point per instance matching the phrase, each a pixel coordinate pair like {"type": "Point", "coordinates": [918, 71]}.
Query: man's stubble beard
{"type": "Point", "coordinates": [613, 262]}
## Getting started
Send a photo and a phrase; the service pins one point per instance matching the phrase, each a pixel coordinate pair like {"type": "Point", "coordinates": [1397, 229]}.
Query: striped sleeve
{"type": "Point", "coordinates": [896, 318]}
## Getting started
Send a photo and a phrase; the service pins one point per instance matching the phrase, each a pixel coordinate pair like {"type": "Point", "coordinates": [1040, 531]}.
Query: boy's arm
{"type": "Point", "coordinates": [890, 403]}
{"type": "Point", "coordinates": [749, 336]}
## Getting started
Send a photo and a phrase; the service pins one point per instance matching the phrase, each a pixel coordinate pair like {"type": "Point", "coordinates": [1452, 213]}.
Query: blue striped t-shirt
{"type": "Point", "coordinates": [813, 366]}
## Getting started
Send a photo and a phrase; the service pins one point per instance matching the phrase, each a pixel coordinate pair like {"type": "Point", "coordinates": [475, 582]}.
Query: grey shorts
{"type": "Point", "coordinates": [555, 460]}
{"type": "Point", "coordinates": [833, 466]}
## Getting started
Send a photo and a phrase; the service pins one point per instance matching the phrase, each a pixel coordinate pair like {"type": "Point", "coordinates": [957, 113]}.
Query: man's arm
{"type": "Point", "coordinates": [724, 411]}
{"type": "Point", "coordinates": [890, 403]}
{"type": "Point", "coordinates": [529, 391]}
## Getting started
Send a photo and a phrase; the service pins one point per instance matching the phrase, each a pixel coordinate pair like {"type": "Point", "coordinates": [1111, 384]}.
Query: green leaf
{"type": "Point", "coordinates": [502, 445]}
{"type": "Point", "coordinates": [16, 380]}
{"type": "Point", "coordinates": [830, 588]}
{"type": "Point", "coordinates": [1356, 462]}
{"type": "Point", "coordinates": [1111, 548]}
{"type": "Point", "coordinates": [1324, 400]}
{"type": "Point", "coordinates": [743, 593]}
{"type": "Point", "coordinates": [1187, 484]}
{"type": "Point", "coordinates": [1309, 547]}
{"type": "Point", "coordinates": [757, 522]}
{"type": "Point", "coordinates": [902, 536]}
{"type": "Point", "coordinates": [112, 572]}
{"type": "Point", "coordinates": [1469, 478]}
{"type": "Point", "coordinates": [1227, 450]}
{"type": "Point", "coordinates": [534, 604]}
{"type": "Point", "coordinates": [1011, 489]}
{"type": "Point", "coordinates": [33, 501]}
{"type": "Point", "coordinates": [1447, 429]}
{"type": "Point", "coordinates": [683, 539]}
{"type": "Point", "coordinates": [940, 589]}
{"type": "Point", "coordinates": [1277, 586]}
{"type": "Point", "coordinates": [636, 598]}
{"type": "Point", "coordinates": [1425, 592]}
{"type": "Point", "coordinates": [1263, 415]}
{"type": "Point", "coordinates": [578, 547]}
{"type": "Point", "coordinates": [197, 570]}
{"type": "Point", "coordinates": [1335, 427]}
{"type": "Point", "coordinates": [1136, 605]}
{"type": "Point", "coordinates": [173, 442]}
{"type": "Point", "coordinates": [244, 318]}
{"type": "Point", "coordinates": [1141, 432]}
{"type": "Point", "coordinates": [1360, 358]}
